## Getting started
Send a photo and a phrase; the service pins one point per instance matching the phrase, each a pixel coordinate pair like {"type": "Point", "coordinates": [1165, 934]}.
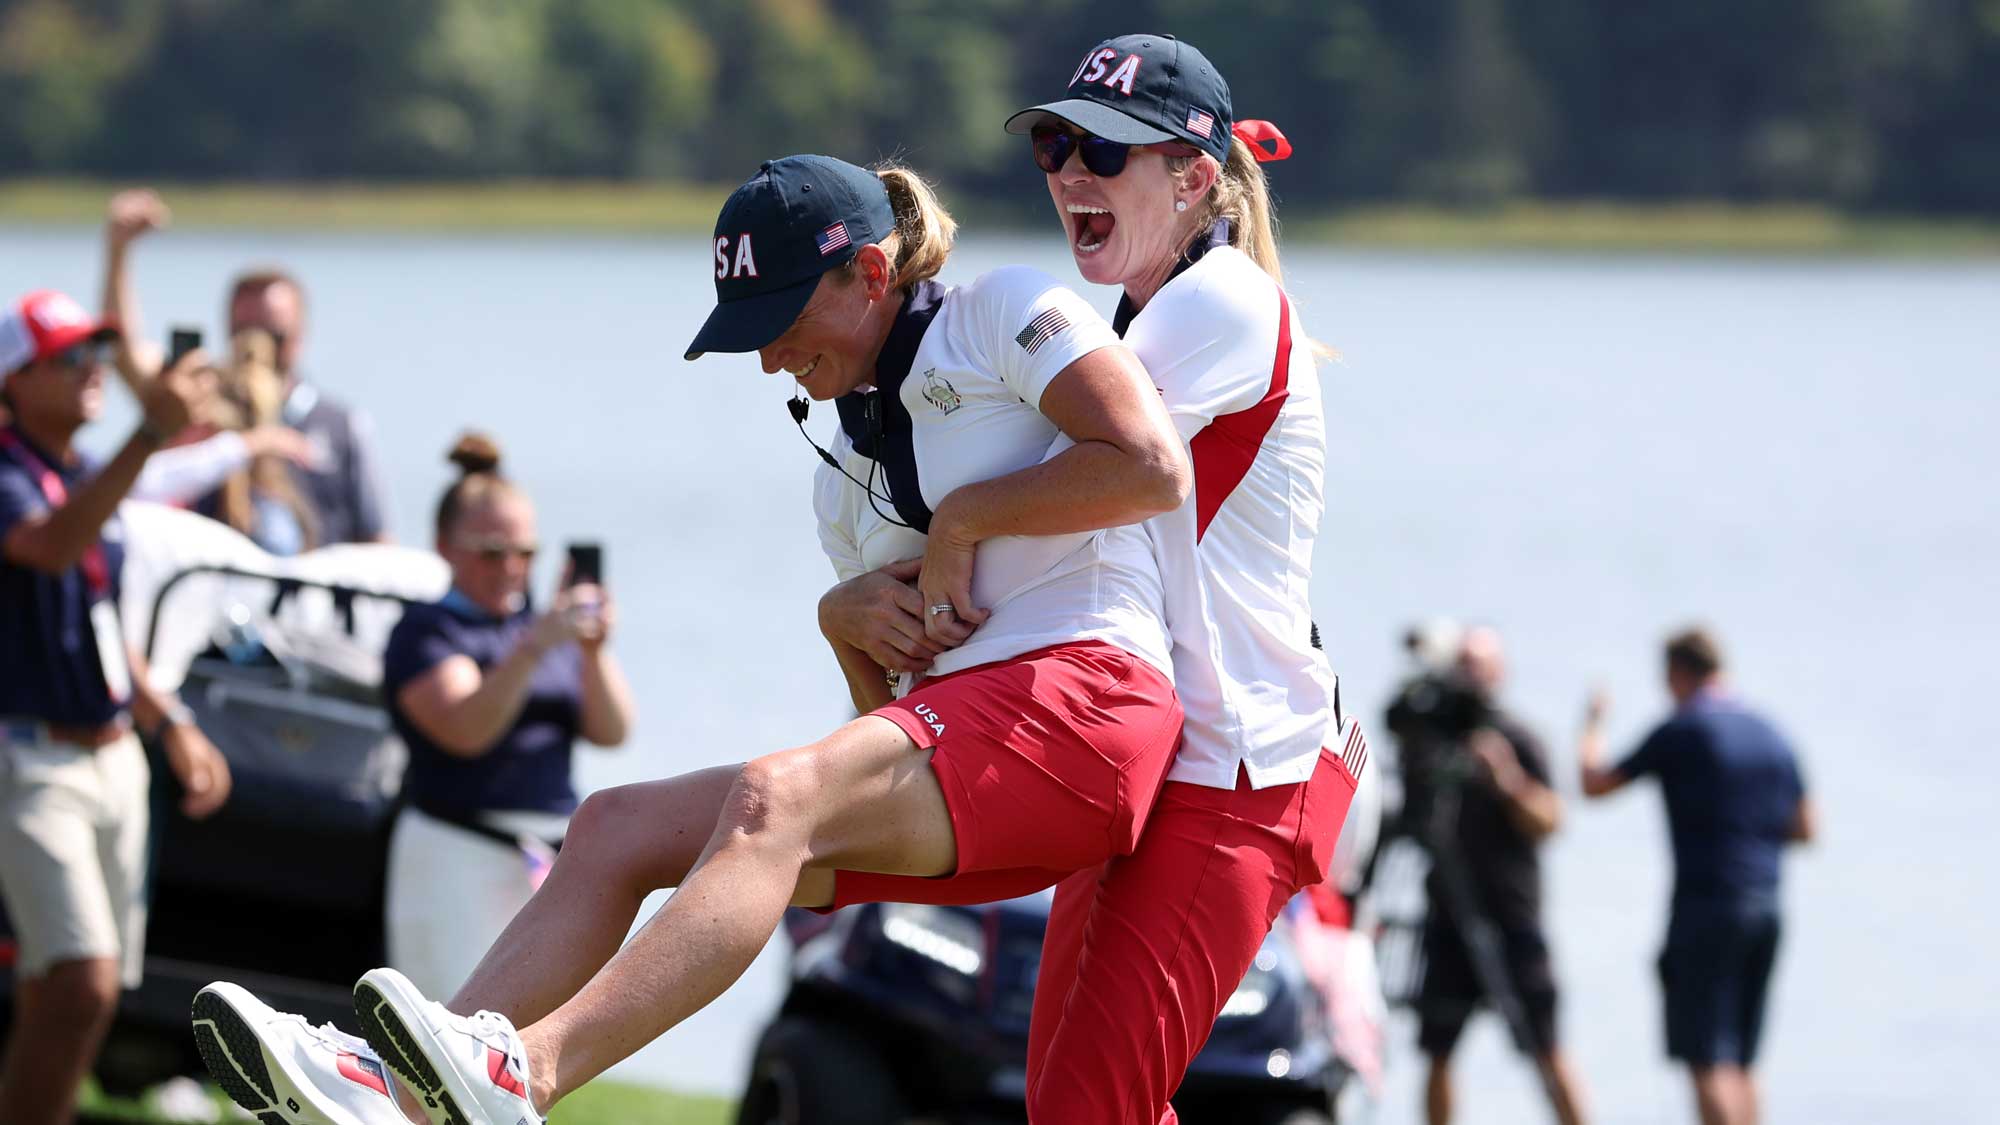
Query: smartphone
{"type": "Point", "coordinates": [586, 564]}
{"type": "Point", "coordinates": [183, 341]}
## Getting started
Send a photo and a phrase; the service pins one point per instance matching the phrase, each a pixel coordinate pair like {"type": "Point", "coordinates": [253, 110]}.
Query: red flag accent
{"type": "Point", "coordinates": [354, 1068]}
{"type": "Point", "coordinates": [1257, 134]}
{"type": "Point", "coordinates": [496, 1069]}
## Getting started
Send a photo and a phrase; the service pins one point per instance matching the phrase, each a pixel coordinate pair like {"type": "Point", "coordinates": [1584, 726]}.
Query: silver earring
{"type": "Point", "coordinates": [1180, 204]}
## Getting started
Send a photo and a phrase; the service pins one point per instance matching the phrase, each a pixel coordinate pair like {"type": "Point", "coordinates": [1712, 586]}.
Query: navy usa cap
{"type": "Point", "coordinates": [791, 222]}
{"type": "Point", "coordinates": [1144, 89]}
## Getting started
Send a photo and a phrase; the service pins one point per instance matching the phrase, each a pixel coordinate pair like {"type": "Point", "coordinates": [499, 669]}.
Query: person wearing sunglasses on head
{"type": "Point", "coordinates": [1021, 445]}
{"type": "Point", "coordinates": [1160, 192]}
{"type": "Point", "coordinates": [74, 778]}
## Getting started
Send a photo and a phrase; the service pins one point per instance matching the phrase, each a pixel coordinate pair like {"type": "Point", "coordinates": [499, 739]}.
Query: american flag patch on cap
{"type": "Point", "coordinates": [1042, 329]}
{"type": "Point", "coordinates": [1199, 123]}
{"type": "Point", "coordinates": [832, 238]}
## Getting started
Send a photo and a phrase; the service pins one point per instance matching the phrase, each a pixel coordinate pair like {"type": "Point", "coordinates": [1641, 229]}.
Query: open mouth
{"type": "Point", "coordinates": [806, 372]}
{"type": "Point", "coordinates": [1092, 226]}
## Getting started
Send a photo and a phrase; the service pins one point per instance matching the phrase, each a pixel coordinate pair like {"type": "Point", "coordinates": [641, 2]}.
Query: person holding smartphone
{"type": "Point", "coordinates": [490, 694]}
{"type": "Point", "coordinates": [75, 699]}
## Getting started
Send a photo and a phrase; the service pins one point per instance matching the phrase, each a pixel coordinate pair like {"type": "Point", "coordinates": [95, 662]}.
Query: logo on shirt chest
{"type": "Point", "coordinates": [939, 392]}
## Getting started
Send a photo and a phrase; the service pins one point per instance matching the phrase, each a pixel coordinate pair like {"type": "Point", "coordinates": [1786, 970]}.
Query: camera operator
{"type": "Point", "coordinates": [1477, 796]}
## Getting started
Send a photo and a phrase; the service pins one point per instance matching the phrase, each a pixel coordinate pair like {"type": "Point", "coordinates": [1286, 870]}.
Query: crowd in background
{"type": "Point", "coordinates": [488, 692]}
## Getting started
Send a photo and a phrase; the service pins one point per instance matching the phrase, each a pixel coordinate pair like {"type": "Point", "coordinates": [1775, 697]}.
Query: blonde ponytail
{"type": "Point", "coordinates": [1242, 196]}
{"type": "Point", "coordinates": [924, 229]}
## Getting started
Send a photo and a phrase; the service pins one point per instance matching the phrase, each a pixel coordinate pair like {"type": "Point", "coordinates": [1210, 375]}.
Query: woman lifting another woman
{"type": "Point", "coordinates": [1028, 440]}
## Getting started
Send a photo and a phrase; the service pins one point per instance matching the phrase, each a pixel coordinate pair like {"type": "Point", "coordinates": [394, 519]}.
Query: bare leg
{"type": "Point", "coordinates": [863, 798]}
{"type": "Point", "coordinates": [1715, 1094]}
{"type": "Point", "coordinates": [622, 845]}
{"type": "Point", "coordinates": [1747, 1104]}
{"type": "Point", "coordinates": [60, 1019]}
{"type": "Point", "coordinates": [1565, 1088]}
{"type": "Point", "coordinates": [1437, 1091]}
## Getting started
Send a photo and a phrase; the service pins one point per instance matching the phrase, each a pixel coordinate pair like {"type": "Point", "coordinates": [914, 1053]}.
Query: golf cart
{"type": "Point", "coordinates": [901, 1012]}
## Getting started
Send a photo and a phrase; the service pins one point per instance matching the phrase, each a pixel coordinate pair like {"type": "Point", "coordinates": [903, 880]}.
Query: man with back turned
{"type": "Point", "coordinates": [1734, 800]}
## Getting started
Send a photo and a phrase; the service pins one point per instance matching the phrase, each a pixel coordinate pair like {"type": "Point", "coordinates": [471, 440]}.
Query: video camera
{"type": "Point", "coordinates": [1432, 718]}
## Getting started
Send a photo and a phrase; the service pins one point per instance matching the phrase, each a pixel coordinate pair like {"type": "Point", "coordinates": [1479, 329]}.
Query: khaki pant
{"type": "Point", "coordinates": [73, 825]}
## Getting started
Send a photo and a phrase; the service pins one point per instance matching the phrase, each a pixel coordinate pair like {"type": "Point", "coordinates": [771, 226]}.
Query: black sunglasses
{"type": "Point", "coordinates": [1052, 146]}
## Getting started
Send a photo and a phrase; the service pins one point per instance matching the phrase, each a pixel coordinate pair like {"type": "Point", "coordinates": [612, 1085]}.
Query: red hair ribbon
{"type": "Point", "coordinates": [1256, 133]}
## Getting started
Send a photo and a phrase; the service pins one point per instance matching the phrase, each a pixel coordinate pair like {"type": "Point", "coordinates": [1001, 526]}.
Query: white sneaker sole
{"type": "Point", "coordinates": [226, 1017]}
{"type": "Point", "coordinates": [381, 1000]}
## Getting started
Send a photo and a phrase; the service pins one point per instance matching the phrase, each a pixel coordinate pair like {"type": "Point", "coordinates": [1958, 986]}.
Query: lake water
{"type": "Point", "coordinates": [1583, 451]}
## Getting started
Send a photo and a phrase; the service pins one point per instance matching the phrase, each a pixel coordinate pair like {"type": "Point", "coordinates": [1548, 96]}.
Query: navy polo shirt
{"type": "Point", "coordinates": [1733, 788]}
{"type": "Point", "coordinates": [48, 653]}
{"type": "Point", "coordinates": [529, 768]}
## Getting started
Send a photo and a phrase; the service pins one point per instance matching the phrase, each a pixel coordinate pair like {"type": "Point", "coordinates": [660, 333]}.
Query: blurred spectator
{"type": "Point", "coordinates": [73, 778]}
{"type": "Point", "coordinates": [342, 489]}
{"type": "Point", "coordinates": [1734, 800]}
{"type": "Point", "coordinates": [262, 499]}
{"type": "Point", "coordinates": [231, 428]}
{"type": "Point", "coordinates": [1490, 804]}
{"type": "Point", "coordinates": [128, 217]}
{"type": "Point", "coordinates": [489, 696]}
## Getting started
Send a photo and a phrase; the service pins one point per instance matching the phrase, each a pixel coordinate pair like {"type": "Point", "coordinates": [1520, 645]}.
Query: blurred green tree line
{"type": "Point", "coordinates": [1883, 105]}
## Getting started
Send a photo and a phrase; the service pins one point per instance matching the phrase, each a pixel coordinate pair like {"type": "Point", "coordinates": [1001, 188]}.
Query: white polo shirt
{"type": "Point", "coordinates": [1224, 346]}
{"type": "Point", "coordinates": [973, 393]}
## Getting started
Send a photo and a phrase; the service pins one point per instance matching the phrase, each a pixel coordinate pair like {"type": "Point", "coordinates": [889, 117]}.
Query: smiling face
{"type": "Point", "coordinates": [1123, 229]}
{"type": "Point", "coordinates": [830, 348]}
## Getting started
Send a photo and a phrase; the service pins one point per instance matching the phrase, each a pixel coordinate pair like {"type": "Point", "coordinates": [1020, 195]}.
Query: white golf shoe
{"type": "Point", "coordinates": [285, 1071]}
{"type": "Point", "coordinates": [467, 1070]}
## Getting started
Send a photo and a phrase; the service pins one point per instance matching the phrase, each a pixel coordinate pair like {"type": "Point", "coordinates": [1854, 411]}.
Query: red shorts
{"type": "Point", "coordinates": [1049, 764]}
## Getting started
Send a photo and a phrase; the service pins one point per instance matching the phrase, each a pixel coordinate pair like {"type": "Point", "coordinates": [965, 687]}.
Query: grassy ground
{"type": "Point", "coordinates": [686, 208]}
{"type": "Point", "coordinates": [595, 1104]}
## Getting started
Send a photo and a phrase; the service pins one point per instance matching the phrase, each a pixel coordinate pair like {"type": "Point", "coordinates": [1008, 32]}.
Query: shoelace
{"type": "Point", "coordinates": [495, 1028]}
{"type": "Point", "coordinates": [347, 1042]}
{"type": "Point", "coordinates": [487, 1023]}
{"type": "Point", "coordinates": [331, 1036]}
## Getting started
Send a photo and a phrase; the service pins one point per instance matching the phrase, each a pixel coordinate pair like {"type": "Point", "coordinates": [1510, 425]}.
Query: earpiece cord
{"type": "Point", "coordinates": [798, 407]}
